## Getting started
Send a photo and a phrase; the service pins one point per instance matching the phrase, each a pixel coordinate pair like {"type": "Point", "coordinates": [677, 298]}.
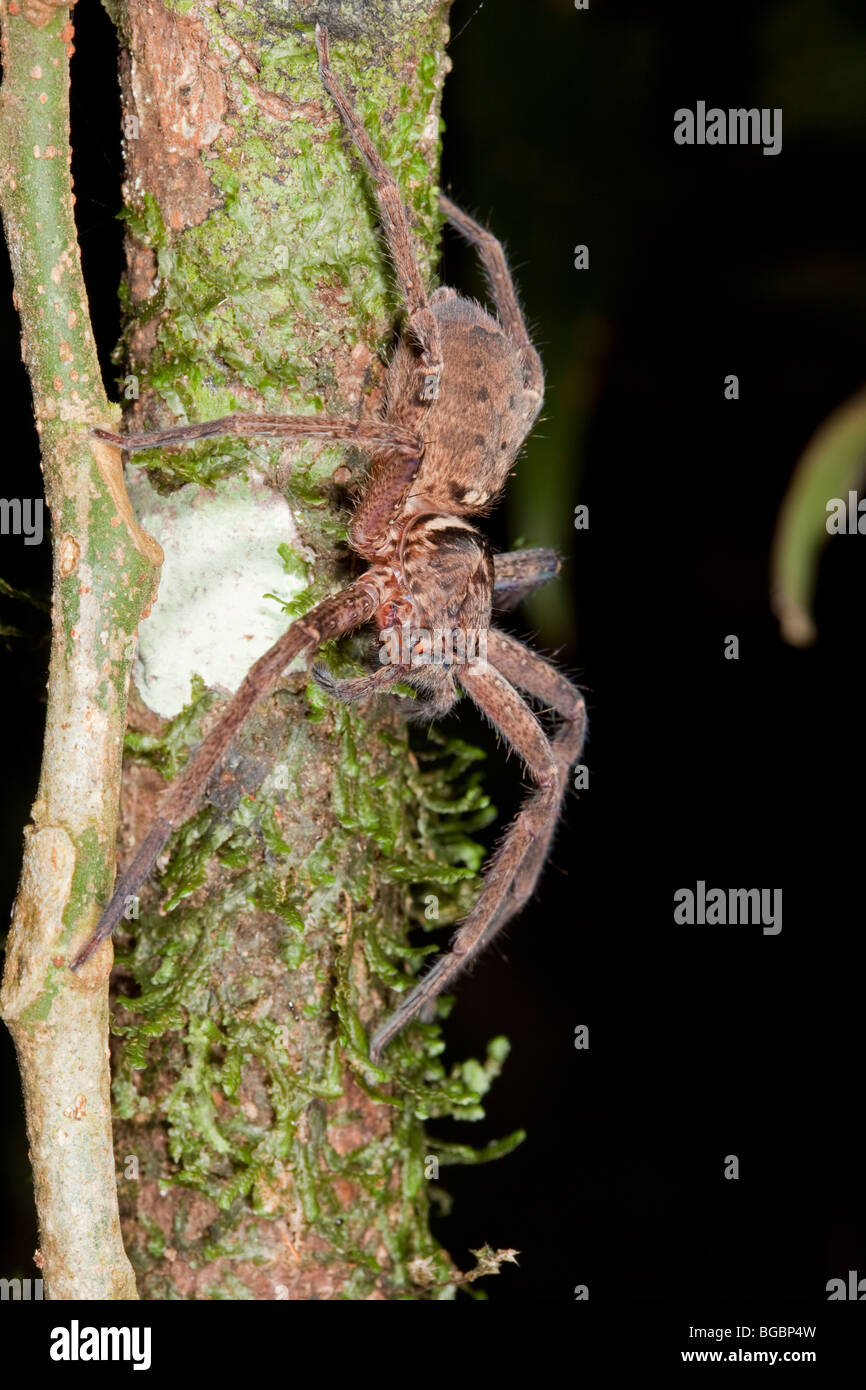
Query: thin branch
{"type": "Point", "coordinates": [105, 571]}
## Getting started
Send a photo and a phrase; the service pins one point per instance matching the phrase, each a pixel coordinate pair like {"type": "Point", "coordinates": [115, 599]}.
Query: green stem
{"type": "Point", "coordinates": [105, 572]}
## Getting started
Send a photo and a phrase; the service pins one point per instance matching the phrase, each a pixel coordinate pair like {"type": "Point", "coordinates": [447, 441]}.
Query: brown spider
{"type": "Point", "coordinates": [463, 391]}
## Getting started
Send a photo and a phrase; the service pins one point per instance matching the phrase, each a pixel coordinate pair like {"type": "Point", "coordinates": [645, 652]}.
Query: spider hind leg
{"type": "Point", "coordinates": [513, 872]}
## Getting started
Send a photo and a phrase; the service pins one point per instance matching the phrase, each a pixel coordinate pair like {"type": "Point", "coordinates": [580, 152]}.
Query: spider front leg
{"type": "Point", "coordinates": [514, 869]}
{"type": "Point", "coordinates": [395, 225]}
{"type": "Point", "coordinates": [517, 572]}
{"type": "Point", "coordinates": [341, 613]}
{"type": "Point", "coordinates": [364, 434]}
{"type": "Point", "coordinates": [396, 450]}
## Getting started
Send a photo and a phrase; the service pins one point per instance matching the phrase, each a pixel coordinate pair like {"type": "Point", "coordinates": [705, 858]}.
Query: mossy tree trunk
{"type": "Point", "coordinates": [261, 1154]}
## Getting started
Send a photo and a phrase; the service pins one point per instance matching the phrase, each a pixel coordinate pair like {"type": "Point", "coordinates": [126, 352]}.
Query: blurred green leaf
{"type": "Point", "coordinates": [23, 596]}
{"type": "Point", "coordinates": [833, 462]}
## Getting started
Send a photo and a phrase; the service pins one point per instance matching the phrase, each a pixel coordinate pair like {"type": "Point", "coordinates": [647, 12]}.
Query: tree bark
{"type": "Point", "coordinates": [263, 1155]}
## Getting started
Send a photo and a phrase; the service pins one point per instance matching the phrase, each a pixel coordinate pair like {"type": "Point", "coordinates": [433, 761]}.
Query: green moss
{"type": "Point", "coordinates": [188, 995]}
{"type": "Point", "coordinates": [168, 751]}
{"type": "Point", "coordinates": [145, 222]}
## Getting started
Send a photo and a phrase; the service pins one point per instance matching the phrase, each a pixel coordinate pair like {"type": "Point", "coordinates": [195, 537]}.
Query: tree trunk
{"type": "Point", "coordinates": [262, 1154]}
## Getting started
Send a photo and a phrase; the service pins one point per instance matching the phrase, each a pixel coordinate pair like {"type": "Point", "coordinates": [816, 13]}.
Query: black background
{"type": "Point", "coordinates": [704, 1041]}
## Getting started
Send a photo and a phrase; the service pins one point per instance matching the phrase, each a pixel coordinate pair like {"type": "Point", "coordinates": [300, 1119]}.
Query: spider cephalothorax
{"type": "Point", "coordinates": [463, 391]}
{"type": "Point", "coordinates": [435, 587]}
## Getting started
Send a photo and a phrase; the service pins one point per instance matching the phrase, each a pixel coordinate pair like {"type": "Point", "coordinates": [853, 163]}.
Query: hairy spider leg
{"type": "Point", "coordinates": [362, 433]}
{"type": "Point", "coordinates": [517, 572]}
{"type": "Point", "coordinates": [514, 869]}
{"type": "Point", "coordinates": [395, 225]}
{"type": "Point", "coordinates": [340, 613]}
{"type": "Point", "coordinates": [533, 673]}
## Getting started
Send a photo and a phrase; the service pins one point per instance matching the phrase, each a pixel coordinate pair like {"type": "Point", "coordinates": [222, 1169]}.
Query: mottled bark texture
{"type": "Point", "coordinates": [263, 1155]}
{"type": "Point", "coordinates": [104, 577]}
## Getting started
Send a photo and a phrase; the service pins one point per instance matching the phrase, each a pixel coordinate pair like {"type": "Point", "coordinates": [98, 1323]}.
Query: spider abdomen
{"type": "Point", "coordinates": [473, 430]}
